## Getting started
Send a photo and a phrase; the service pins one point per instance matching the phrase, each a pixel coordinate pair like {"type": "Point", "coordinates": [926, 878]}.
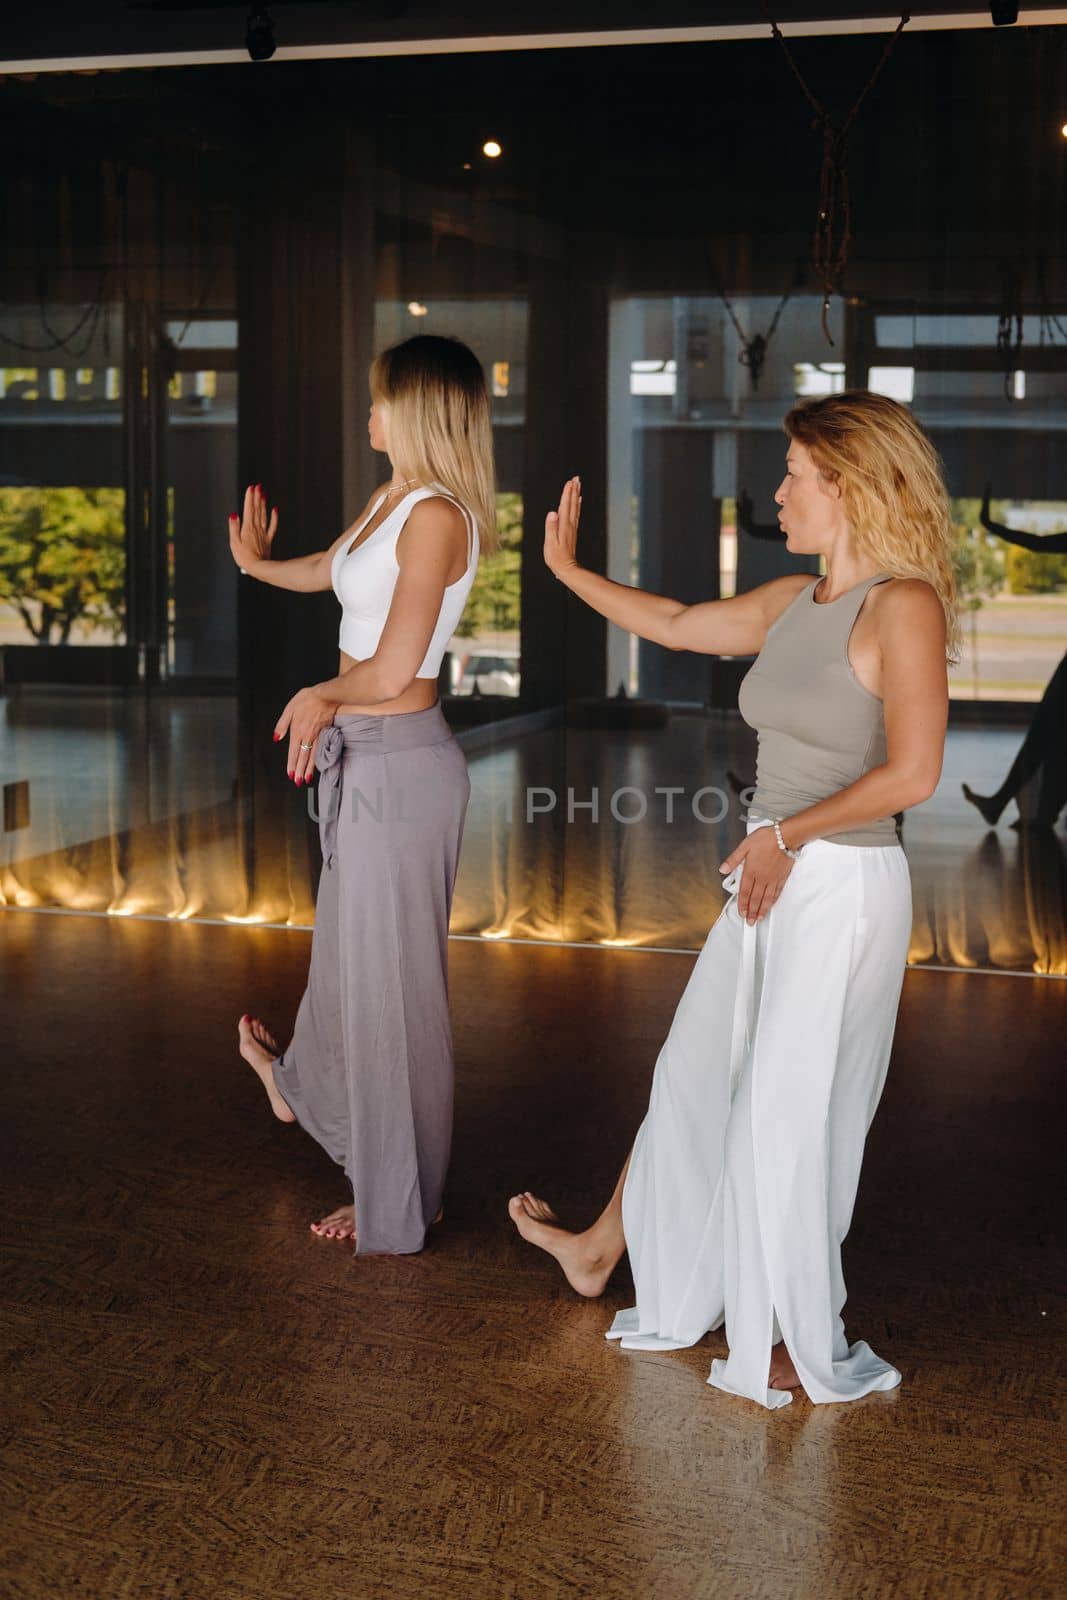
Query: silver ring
{"type": "Point", "coordinates": [305, 747]}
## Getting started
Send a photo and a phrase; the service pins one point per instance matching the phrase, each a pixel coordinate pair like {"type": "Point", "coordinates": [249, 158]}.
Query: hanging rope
{"type": "Point", "coordinates": [1010, 326]}
{"type": "Point", "coordinates": [833, 225]}
{"type": "Point", "coordinates": [209, 270]}
{"type": "Point", "coordinates": [1049, 324]}
{"type": "Point", "coordinates": [88, 320]}
{"type": "Point", "coordinates": [753, 352]}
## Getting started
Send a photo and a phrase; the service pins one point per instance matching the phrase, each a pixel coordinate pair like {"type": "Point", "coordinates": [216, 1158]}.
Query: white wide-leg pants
{"type": "Point", "coordinates": [744, 1172]}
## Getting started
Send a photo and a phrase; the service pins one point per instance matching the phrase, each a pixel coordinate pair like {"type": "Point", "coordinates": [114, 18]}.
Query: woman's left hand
{"type": "Point", "coordinates": [304, 719]}
{"type": "Point", "coordinates": [561, 529]}
{"type": "Point", "coordinates": [766, 870]}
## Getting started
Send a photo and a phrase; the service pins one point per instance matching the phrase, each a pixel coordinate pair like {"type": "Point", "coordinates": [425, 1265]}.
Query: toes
{"type": "Point", "coordinates": [262, 1034]}
{"type": "Point", "coordinates": [340, 1224]}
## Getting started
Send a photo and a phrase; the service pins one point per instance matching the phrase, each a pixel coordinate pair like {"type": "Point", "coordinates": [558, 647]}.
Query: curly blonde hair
{"type": "Point", "coordinates": [892, 487]}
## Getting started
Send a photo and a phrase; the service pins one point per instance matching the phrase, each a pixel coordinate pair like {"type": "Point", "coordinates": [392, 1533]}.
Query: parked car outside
{"type": "Point", "coordinates": [494, 672]}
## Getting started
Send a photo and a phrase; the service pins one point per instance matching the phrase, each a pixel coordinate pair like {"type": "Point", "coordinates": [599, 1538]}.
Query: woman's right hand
{"type": "Point", "coordinates": [561, 529]}
{"type": "Point", "coordinates": [252, 534]}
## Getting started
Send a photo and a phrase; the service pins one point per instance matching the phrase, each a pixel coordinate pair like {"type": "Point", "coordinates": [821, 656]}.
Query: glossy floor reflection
{"type": "Point", "coordinates": [643, 871]}
{"type": "Point", "coordinates": [202, 1400]}
{"type": "Point", "coordinates": [573, 835]}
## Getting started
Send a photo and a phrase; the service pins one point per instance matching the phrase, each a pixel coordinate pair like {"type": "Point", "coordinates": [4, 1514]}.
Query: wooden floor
{"type": "Point", "coordinates": [205, 1402]}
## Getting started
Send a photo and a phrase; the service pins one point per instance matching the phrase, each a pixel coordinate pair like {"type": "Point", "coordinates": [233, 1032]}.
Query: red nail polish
{"type": "Point", "coordinates": [292, 774]}
{"type": "Point", "coordinates": [277, 737]}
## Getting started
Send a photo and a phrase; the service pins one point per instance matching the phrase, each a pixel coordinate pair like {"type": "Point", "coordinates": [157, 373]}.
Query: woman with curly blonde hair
{"type": "Point", "coordinates": [739, 1188]}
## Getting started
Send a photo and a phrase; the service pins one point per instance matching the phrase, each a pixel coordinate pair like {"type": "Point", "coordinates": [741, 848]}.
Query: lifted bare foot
{"type": "Point", "coordinates": [262, 1035]}
{"type": "Point", "coordinates": [260, 1050]}
{"type": "Point", "coordinates": [586, 1268]}
{"type": "Point", "coordinates": [783, 1374]}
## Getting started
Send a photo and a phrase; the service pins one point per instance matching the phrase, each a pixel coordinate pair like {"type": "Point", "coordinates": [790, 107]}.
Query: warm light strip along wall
{"type": "Point", "coordinates": [488, 43]}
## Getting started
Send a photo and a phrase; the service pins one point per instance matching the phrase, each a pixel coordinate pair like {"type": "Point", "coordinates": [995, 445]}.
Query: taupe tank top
{"type": "Point", "coordinates": [819, 729]}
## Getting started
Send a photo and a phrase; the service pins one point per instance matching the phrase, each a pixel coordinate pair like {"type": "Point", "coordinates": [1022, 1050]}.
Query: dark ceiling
{"type": "Point", "coordinates": [959, 137]}
{"type": "Point", "coordinates": [67, 30]}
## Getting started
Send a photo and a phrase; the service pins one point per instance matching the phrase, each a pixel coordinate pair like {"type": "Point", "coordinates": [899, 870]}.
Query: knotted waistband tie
{"type": "Point", "coordinates": [385, 735]}
{"type": "Point", "coordinates": [333, 743]}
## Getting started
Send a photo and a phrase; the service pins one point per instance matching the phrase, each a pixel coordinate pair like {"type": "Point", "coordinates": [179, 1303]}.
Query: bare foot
{"type": "Point", "coordinates": [585, 1268]}
{"type": "Point", "coordinates": [262, 1035]}
{"type": "Point", "coordinates": [783, 1374]}
{"type": "Point", "coordinates": [986, 804]}
{"type": "Point", "coordinates": [341, 1224]}
{"type": "Point", "coordinates": [259, 1049]}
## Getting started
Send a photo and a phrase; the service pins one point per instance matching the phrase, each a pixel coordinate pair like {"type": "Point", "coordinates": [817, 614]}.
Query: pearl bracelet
{"type": "Point", "coordinates": [776, 824]}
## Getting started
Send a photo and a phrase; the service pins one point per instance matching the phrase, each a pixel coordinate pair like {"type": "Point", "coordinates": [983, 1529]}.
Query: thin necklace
{"type": "Point", "coordinates": [405, 485]}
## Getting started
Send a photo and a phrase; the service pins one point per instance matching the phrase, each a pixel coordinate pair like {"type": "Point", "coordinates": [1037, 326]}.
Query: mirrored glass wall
{"type": "Point", "coordinates": [192, 289]}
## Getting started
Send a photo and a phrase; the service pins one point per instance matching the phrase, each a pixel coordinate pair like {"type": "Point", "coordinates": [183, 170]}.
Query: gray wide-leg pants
{"type": "Point", "coordinates": [369, 1070]}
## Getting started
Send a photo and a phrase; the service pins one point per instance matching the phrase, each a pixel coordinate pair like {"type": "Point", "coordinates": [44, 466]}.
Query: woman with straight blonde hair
{"type": "Point", "coordinates": [738, 1191]}
{"type": "Point", "coordinates": [368, 1072]}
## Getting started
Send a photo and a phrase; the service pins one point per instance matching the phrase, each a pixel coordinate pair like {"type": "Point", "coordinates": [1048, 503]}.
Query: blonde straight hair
{"type": "Point", "coordinates": [439, 427]}
{"type": "Point", "coordinates": [892, 487]}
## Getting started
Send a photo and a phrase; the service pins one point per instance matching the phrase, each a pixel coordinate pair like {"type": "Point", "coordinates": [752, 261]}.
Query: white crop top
{"type": "Point", "coordinates": [364, 580]}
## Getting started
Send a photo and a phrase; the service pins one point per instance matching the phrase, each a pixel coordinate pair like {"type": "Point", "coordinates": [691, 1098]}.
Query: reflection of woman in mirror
{"type": "Point", "coordinates": [739, 1188]}
{"type": "Point", "coordinates": [368, 1072]}
{"type": "Point", "coordinates": [1044, 749]}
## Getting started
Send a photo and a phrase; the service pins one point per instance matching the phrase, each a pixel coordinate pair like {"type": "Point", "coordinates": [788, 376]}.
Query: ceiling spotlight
{"type": "Point", "coordinates": [1063, 130]}
{"type": "Point", "coordinates": [259, 35]}
{"type": "Point", "coordinates": [417, 308]}
{"type": "Point", "coordinates": [491, 149]}
{"type": "Point", "coordinates": [1004, 13]}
